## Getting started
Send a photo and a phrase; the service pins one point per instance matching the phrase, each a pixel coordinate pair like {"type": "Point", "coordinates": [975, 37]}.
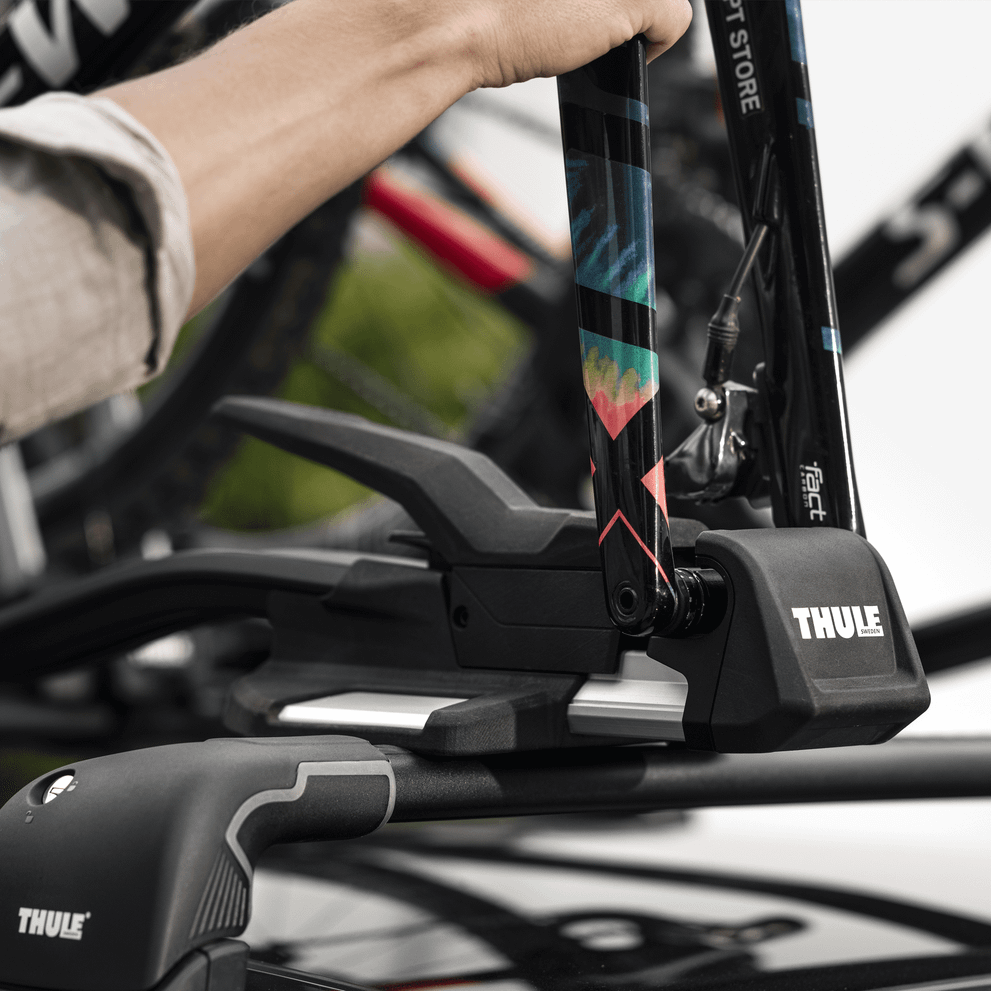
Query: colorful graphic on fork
{"type": "Point", "coordinates": [607, 158]}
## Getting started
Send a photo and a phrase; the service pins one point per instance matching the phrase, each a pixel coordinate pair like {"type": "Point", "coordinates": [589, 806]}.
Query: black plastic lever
{"type": "Point", "coordinates": [471, 511]}
{"type": "Point", "coordinates": [115, 869]}
{"type": "Point", "coordinates": [132, 603]}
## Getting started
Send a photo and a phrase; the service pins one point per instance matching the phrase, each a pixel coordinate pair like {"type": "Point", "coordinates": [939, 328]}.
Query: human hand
{"type": "Point", "coordinates": [509, 41]}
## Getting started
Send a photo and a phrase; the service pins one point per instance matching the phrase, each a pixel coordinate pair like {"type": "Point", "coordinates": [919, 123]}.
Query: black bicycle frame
{"type": "Point", "coordinates": [804, 438]}
{"type": "Point", "coordinates": [764, 85]}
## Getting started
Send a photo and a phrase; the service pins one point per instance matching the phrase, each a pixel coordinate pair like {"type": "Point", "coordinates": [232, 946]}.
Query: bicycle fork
{"type": "Point", "coordinates": [606, 133]}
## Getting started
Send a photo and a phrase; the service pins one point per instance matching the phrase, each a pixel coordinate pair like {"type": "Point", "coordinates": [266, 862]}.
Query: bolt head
{"type": "Point", "coordinates": [709, 403]}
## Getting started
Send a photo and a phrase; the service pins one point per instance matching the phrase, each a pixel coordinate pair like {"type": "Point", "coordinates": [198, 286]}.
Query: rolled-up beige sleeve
{"type": "Point", "coordinates": [96, 257]}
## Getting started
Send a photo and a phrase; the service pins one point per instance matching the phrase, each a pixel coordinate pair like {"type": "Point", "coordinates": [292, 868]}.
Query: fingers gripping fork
{"type": "Point", "coordinates": [607, 158]}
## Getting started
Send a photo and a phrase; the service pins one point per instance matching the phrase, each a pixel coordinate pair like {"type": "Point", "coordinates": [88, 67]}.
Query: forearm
{"type": "Point", "coordinates": [278, 117]}
{"type": "Point", "coordinates": [283, 114]}
{"type": "Point", "coordinates": [256, 132]}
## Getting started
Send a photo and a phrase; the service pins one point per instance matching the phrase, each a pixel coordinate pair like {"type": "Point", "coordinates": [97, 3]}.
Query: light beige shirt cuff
{"type": "Point", "coordinates": [96, 257]}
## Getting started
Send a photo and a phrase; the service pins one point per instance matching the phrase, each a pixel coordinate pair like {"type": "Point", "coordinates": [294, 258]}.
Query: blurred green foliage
{"type": "Point", "coordinates": [442, 347]}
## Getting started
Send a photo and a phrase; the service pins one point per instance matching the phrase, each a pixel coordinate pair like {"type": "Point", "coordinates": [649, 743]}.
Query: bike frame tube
{"type": "Point", "coordinates": [606, 136]}
{"type": "Point", "coordinates": [764, 85]}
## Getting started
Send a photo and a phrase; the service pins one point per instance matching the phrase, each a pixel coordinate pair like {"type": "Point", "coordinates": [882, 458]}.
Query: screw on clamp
{"type": "Point", "coordinates": [710, 404]}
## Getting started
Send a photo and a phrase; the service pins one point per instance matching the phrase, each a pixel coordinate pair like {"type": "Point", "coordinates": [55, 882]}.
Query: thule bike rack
{"type": "Point", "coordinates": [495, 675]}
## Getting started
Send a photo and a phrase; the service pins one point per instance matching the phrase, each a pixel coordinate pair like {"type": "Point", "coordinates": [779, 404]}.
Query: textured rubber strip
{"type": "Point", "coordinates": [305, 771]}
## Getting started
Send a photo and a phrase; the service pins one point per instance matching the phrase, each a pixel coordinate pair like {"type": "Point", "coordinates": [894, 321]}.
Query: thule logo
{"type": "Point", "coordinates": [47, 922]}
{"type": "Point", "coordinates": [845, 621]}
